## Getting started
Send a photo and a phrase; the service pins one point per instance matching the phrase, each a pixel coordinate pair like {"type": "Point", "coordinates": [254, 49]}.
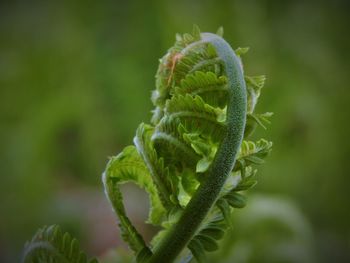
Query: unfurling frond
{"type": "Point", "coordinates": [190, 122]}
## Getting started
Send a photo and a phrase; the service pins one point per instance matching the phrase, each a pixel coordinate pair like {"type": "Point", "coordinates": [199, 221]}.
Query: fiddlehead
{"type": "Point", "coordinates": [202, 101]}
{"type": "Point", "coordinates": [208, 192]}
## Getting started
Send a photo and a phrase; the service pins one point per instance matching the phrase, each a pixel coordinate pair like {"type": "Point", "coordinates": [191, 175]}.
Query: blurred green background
{"type": "Point", "coordinates": [75, 82]}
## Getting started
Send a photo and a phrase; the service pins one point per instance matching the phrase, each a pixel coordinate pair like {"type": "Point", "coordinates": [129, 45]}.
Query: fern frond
{"type": "Point", "coordinates": [176, 64]}
{"type": "Point", "coordinates": [128, 166]}
{"type": "Point", "coordinates": [199, 58]}
{"type": "Point", "coordinates": [202, 101]}
{"type": "Point", "coordinates": [254, 152]}
{"type": "Point", "coordinates": [210, 87]}
{"type": "Point", "coordinates": [197, 116]}
{"type": "Point", "coordinates": [165, 184]}
{"type": "Point", "coordinates": [207, 238]}
{"type": "Point", "coordinates": [169, 143]}
{"type": "Point", "coordinates": [254, 86]}
{"type": "Point", "coordinates": [51, 245]}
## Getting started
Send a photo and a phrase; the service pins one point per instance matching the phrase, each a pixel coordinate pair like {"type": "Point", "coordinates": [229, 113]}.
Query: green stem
{"type": "Point", "coordinates": [206, 195]}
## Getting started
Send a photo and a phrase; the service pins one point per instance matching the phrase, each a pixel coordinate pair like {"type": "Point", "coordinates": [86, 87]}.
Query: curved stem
{"type": "Point", "coordinates": [206, 195]}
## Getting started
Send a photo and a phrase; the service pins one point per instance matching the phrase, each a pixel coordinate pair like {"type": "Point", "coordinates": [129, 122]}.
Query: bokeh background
{"type": "Point", "coordinates": [75, 82]}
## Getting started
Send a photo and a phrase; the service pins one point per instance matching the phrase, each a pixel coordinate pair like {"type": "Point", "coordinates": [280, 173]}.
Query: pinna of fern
{"type": "Point", "coordinates": [196, 156]}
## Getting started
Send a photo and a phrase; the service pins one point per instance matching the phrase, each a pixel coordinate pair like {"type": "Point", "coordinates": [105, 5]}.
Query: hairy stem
{"type": "Point", "coordinates": [205, 197]}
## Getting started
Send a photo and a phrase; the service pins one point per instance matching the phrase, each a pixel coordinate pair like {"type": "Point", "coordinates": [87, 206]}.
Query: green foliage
{"type": "Point", "coordinates": [51, 245]}
{"type": "Point", "coordinates": [174, 158]}
{"type": "Point", "coordinates": [206, 240]}
{"type": "Point", "coordinates": [129, 167]}
{"type": "Point", "coordinates": [243, 179]}
{"type": "Point", "coordinates": [165, 184]}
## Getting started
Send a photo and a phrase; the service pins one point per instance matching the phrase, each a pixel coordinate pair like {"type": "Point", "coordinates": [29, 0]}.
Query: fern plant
{"type": "Point", "coordinates": [194, 159]}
